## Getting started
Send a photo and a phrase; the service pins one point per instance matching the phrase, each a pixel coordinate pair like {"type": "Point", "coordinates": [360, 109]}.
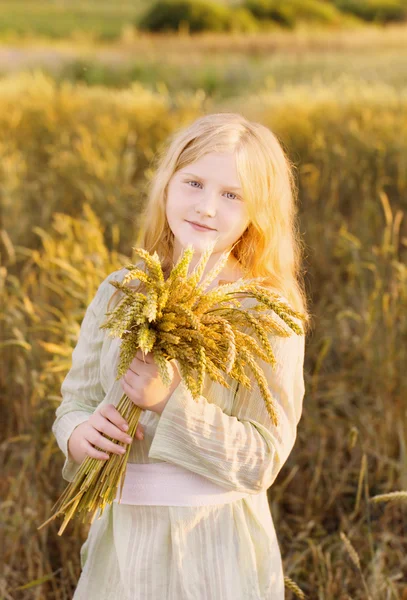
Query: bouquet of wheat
{"type": "Point", "coordinates": [176, 319]}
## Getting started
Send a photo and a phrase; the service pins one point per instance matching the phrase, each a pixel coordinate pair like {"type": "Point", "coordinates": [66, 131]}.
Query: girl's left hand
{"type": "Point", "coordinates": [143, 384]}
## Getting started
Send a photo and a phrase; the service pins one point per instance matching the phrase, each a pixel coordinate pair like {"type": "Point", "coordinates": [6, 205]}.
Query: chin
{"type": "Point", "coordinates": [199, 243]}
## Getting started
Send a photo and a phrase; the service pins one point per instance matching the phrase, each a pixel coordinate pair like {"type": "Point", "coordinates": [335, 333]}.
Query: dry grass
{"type": "Point", "coordinates": [305, 37]}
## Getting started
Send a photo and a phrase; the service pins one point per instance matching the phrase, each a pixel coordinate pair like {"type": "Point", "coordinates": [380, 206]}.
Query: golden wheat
{"type": "Point", "coordinates": [202, 342]}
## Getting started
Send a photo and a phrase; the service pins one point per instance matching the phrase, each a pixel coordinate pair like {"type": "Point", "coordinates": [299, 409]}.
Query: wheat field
{"type": "Point", "coordinates": [75, 165]}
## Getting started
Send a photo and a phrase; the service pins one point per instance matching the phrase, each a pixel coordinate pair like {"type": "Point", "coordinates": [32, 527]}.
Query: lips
{"type": "Point", "coordinates": [200, 225]}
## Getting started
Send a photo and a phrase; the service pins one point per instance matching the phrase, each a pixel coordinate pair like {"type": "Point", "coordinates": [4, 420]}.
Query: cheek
{"type": "Point", "coordinates": [236, 220]}
{"type": "Point", "coordinates": [177, 203]}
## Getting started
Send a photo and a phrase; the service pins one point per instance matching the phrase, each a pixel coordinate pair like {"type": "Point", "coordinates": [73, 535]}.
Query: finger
{"type": "Point", "coordinates": [131, 377]}
{"type": "Point", "coordinates": [112, 414]}
{"type": "Point", "coordinates": [97, 439]}
{"type": "Point", "coordinates": [131, 392]}
{"type": "Point", "coordinates": [103, 425]}
{"type": "Point", "coordinates": [147, 357]}
{"type": "Point", "coordinates": [93, 453]}
{"type": "Point", "coordinates": [140, 432]}
{"type": "Point", "coordinates": [140, 355]}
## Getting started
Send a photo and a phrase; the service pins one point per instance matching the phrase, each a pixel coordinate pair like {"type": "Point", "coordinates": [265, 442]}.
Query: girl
{"type": "Point", "coordinates": [195, 524]}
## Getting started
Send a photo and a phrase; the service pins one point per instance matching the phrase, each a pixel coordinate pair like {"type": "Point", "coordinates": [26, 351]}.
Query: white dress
{"type": "Point", "coordinates": [215, 552]}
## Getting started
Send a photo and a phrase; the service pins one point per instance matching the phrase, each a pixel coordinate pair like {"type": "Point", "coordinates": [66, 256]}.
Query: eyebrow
{"type": "Point", "coordinates": [229, 187]}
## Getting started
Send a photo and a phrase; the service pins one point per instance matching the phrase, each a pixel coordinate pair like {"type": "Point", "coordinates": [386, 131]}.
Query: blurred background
{"type": "Point", "coordinates": [89, 92]}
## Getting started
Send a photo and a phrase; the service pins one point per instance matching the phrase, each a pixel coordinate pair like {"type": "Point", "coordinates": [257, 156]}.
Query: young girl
{"type": "Point", "coordinates": [195, 524]}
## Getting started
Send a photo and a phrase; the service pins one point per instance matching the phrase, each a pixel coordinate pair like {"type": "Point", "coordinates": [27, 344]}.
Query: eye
{"type": "Point", "coordinates": [193, 182]}
{"type": "Point", "coordinates": [234, 198]}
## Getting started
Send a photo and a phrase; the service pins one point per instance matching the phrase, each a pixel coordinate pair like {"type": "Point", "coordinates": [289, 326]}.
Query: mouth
{"type": "Point", "coordinates": [200, 227]}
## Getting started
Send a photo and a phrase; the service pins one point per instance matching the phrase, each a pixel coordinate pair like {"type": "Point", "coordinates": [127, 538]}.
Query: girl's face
{"type": "Point", "coordinates": [206, 192]}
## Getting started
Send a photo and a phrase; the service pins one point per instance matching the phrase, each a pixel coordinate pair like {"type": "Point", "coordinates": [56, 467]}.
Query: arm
{"type": "Point", "coordinates": [243, 451]}
{"type": "Point", "coordinates": [81, 389]}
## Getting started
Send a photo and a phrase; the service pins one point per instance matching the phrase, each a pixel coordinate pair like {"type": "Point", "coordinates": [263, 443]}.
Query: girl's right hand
{"type": "Point", "coordinates": [87, 435]}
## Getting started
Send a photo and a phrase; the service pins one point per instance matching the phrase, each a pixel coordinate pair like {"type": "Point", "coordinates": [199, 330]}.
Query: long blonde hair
{"type": "Point", "coordinates": [271, 245]}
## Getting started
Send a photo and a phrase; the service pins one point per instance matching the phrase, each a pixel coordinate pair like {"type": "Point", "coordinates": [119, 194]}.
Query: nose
{"type": "Point", "coordinates": [207, 203]}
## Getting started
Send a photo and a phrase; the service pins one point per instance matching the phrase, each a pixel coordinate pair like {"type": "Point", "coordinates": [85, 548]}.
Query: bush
{"type": "Point", "coordinates": [289, 12]}
{"type": "Point", "coordinates": [241, 19]}
{"type": "Point", "coordinates": [198, 15]}
{"type": "Point", "coordinates": [382, 11]}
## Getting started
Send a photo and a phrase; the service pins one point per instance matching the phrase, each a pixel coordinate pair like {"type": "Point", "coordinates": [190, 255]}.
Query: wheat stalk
{"type": "Point", "coordinates": [398, 495]}
{"type": "Point", "coordinates": [354, 556]}
{"type": "Point", "coordinates": [291, 585]}
{"type": "Point", "coordinates": [176, 319]}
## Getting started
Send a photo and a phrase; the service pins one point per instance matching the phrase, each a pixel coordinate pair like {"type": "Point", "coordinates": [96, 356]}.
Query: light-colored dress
{"type": "Point", "coordinates": [215, 552]}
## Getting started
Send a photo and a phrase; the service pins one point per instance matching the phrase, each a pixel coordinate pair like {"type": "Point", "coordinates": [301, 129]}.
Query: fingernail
{"type": "Point", "coordinates": [125, 427]}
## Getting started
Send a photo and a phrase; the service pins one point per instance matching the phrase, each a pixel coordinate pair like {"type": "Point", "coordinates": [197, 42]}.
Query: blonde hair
{"type": "Point", "coordinates": [270, 246]}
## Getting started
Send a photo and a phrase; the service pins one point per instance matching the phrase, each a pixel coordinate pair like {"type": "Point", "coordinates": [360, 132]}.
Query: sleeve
{"type": "Point", "coordinates": [81, 389]}
{"type": "Point", "coordinates": [243, 451]}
